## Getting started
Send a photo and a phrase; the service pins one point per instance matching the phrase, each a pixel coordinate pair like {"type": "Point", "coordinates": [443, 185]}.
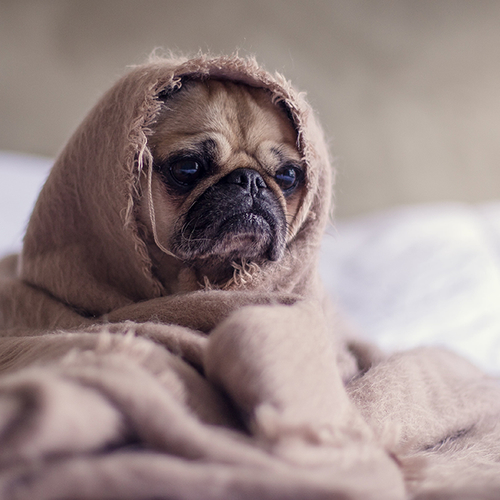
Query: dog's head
{"type": "Point", "coordinates": [186, 169]}
{"type": "Point", "coordinates": [227, 179]}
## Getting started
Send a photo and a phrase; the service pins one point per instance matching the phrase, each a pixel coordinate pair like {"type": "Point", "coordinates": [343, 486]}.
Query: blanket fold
{"type": "Point", "coordinates": [113, 387]}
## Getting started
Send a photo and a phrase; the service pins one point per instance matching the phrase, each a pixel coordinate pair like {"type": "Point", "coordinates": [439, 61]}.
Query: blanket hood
{"type": "Point", "coordinates": [82, 244]}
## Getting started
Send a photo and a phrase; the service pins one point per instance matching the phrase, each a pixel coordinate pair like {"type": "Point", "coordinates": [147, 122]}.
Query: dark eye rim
{"type": "Point", "coordinates": [165, 169]}
{"type": "Point", "coordinates": [299, 179]}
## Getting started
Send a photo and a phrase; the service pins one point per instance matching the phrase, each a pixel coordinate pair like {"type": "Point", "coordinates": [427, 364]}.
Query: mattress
{"type": "Point", "coordinates": [409, 276]}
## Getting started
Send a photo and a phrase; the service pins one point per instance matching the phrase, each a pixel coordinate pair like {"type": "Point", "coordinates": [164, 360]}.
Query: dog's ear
{"type": "Point", "coordinates": [171, 90]}
{"type": "Point", "coordinates": [165, 94]}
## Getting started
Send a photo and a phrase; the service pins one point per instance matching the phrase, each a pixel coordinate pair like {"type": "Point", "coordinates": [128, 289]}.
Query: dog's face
{"type": "Point", "coordinates": [228, 178]}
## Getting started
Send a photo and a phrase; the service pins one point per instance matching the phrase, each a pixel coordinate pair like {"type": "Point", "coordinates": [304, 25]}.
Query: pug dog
{"type": "Point", "coordinates": [227, 182]}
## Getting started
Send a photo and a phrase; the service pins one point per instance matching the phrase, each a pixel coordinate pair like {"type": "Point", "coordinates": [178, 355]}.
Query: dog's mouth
{"type": "Point", "coordinates": [244, 235]}
{"type": "Point", "coordinates": [244, 217]}
{"type": "Point", "coordinates": [218, 231]}
{"type": "Point", "coordinates": [245, 223]}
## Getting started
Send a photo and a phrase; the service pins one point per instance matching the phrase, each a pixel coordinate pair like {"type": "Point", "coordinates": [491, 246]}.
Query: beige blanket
{"type": "Point", "coordinates": [111, 388]}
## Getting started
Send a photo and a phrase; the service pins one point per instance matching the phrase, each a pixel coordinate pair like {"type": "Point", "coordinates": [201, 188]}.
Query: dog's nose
{"type": "Point", "coordinates": [248, 179]}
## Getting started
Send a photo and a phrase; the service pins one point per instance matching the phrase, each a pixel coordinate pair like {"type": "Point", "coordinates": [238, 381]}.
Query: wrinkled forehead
{"type": "Point", "coordinates": [234, 113]}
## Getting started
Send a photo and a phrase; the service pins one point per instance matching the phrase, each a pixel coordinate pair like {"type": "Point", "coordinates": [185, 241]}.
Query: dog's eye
{"type": "Point", "coordinates": [288, 177]}
{"type": "Point", "coordinates": [186, 171]}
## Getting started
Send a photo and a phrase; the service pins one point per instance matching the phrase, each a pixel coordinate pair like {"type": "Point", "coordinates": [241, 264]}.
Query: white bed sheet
{"type": "Point", "coordinates": [21, 178]}
{"type": "Point", "coordinates": [421, 275]}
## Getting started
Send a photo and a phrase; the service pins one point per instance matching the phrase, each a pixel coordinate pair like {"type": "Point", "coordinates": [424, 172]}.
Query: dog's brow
{"type": "Point", "coordinates": [209, 148]}
{"type": "Point", "coordinates": [283, 156]}
{"type": "Point", "coordinates": [278, 153]}
{"type": "Point", "coordinates": [206, 148]}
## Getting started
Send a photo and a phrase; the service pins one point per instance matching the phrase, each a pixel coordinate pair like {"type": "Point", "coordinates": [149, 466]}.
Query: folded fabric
{"type": "Point", "coordinates": [113, 388]}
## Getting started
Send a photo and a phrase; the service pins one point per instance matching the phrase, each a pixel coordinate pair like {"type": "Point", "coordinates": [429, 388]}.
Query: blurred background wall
{"type": "Point", "coordinates": [408, 90]}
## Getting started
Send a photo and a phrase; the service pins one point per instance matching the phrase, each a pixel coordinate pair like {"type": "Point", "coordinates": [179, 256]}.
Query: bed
{"type": "Point", "coordinates": [409, 276]}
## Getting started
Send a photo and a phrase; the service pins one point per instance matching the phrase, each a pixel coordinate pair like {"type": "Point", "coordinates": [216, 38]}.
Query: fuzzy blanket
{"type": "Point", "coordinates": [112, 389]}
